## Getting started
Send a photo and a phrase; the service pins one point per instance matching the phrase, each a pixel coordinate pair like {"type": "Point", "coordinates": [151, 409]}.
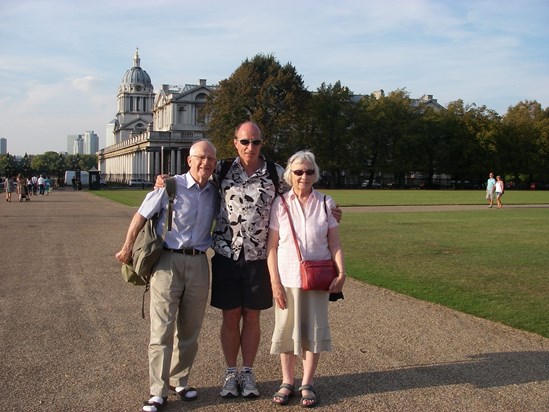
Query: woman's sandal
{"type": "Point", "coordinates": [308, 401]}
{"type": "Point", "coordinates": [281, 398]}
{"type": "Point", "coordinates": [153, 404]}
{"type": "Point", "coordinates": [187, 394]}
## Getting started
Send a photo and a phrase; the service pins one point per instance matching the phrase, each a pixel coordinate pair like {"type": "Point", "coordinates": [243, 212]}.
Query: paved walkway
{"type": "Point", "coordinates": [72, 337]}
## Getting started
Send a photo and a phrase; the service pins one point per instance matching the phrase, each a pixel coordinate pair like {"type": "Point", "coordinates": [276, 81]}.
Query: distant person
{"type": "Point", "coordinates": [29, 186]}
{"type": "Point", "coordinates": [41, 185]}
{"type": "Point", "coordinates": [34, 185]}
{"type": "Point", "coordinates": [8, 187]}
{"type": "Point", "coordinates": [490, 189]}
{"type": "Point", "coordinates": [500, 189]}
{"type": "Point", "coordinates": [22, 188]}
{"type": "Point", "coordinates": [301, 317]}
{"type": "Point", "coordinates": [48, 185]}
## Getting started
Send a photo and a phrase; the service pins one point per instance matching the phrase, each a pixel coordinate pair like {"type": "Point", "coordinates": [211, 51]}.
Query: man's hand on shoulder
{"type": "Point", "coordinates": [159, 183]}
{"type": "Point", "coordinates": [337, 213]}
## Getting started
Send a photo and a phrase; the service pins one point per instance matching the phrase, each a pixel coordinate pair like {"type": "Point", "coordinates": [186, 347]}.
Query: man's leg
{"type": "Point", "coordinates": [164, 301]}
{"type": "Point", "coordinates": [230, 335]}
{"type": "Point", "coordinates": [230, 343]}
{"type": "Point", "coordinates": [250, 343]}
{"type": "Point", "coordinates": [192, 306]}
{"type": "Point", "coordinates": [251, 335]}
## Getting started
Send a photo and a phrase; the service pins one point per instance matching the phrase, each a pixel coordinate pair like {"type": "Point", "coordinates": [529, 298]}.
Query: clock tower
{"type": "Point", "coordinates": [135, 102]}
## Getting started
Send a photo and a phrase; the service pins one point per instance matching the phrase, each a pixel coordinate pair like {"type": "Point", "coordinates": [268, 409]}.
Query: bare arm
{"type": "Point", "coordinates": [137, 223]}
{"type": "Point", "coordinates": [279, 294]}
{"type": "Point", "coordinates": [334, 244]}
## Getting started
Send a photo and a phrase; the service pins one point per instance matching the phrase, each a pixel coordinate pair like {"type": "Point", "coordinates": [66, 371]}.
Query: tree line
{"type": "Point", "coordinates": [369, 136]}
{"type": "Point", "coordinates": [50, 164]}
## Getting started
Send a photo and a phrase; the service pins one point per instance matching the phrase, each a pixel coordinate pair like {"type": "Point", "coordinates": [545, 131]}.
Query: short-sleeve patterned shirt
{"type": "Point", "coordinates": [243, 219]}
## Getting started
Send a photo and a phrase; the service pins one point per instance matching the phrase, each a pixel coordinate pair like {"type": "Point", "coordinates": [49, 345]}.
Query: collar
{"type": "Point", "coordinates": [262, 169]}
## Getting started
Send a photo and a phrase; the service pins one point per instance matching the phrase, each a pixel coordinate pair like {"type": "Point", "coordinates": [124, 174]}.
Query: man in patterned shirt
{"type": "Point", "coordinates": [241, 286]}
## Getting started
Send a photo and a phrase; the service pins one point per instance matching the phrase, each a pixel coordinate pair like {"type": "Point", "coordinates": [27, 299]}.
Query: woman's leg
{"type": "Point", "coordinates": [287, 361]}
{"type": "Point", "coordinates": [310, 363]}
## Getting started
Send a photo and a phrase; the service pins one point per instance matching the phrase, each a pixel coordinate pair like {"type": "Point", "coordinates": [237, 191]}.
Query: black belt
{"type": "Point", "coordinates": [191, 252]}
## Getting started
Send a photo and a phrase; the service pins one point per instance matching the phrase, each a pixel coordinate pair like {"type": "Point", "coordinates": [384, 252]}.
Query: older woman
{"type": "Point", "coordinates": [301, 317]}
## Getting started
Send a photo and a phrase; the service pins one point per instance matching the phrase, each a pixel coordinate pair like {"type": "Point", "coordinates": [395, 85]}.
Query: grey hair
{"type": "Point", "coordinates": [191, 149]}
{"type": "Point", "coordinates": [300, 157]}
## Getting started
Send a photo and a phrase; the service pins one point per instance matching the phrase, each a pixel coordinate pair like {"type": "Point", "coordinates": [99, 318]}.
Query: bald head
{"type": "Point", "coordinates": [247, 129]}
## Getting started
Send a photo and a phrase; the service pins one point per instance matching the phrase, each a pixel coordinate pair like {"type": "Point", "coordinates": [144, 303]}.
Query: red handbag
{"type": "Point", "coordinates": [315, 274]}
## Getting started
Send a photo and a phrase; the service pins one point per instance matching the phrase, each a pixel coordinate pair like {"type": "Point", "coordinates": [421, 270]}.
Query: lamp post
{"type": "Point", "coordinates": [76, 164]}
{"type": "Point", "coordinates": [60, 170]}
{"type": "Point", "coordinates": [26, 165]}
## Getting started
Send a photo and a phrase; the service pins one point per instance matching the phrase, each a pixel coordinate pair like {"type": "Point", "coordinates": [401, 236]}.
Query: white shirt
{"type": "Point", "coordinates": [311, 226]}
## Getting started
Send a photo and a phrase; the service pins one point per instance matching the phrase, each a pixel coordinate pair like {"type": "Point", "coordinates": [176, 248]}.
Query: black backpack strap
{"type": "Point", "coordinates": [273, 175]}
{"type": "Point", "coordinates": [170, 190]}
{"type": "Point", "coordinates": [225, 166]}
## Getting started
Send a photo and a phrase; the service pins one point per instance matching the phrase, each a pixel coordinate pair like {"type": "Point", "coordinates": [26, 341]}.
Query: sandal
{"type": "Point", "coordinates": [153, 404]}
{"type": "Point", "coordinates": [187, 394]}
{"type": "Point", "coordinates": [281, 398]}
{"type": "Point", "coordinates": [308, 401]}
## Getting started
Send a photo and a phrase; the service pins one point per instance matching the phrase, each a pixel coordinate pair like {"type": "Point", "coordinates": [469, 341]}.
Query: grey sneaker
{"type": "Point", "coordinates": [248, 388]}
{"type": "Point", "coordinates": [230, 386]}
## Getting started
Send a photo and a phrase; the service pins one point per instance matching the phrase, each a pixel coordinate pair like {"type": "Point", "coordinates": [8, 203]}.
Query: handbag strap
{"type": "Point", "coordinates": [292, 226]}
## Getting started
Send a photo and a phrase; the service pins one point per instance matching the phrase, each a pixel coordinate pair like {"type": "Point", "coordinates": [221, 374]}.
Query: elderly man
{"type": "Point", "coordinates": [180, 281]}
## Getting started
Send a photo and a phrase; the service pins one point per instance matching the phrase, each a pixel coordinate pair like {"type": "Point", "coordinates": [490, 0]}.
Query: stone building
{"type": "Point", "coordinates": [152, 133]}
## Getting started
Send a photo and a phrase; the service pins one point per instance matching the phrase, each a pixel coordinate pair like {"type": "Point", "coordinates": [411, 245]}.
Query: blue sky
{"type": "Point", "coordinates": [61, 61]}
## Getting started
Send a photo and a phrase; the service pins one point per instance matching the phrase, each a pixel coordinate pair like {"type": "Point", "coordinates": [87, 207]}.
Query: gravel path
{"type": "Point", "coordinates": [72, 337]}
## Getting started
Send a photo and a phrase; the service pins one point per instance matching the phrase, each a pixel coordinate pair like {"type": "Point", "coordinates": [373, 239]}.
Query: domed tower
{"type": "Point", "coordinates": [135, 102]}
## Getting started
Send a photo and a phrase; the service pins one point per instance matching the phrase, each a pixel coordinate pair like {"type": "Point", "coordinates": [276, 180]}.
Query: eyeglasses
{"type": "Point", "coordinates": [246, 142]}
{"type": "Point", "coordinates": [204, 158]}
{"type": "Point", "coordinates": [308, 172]}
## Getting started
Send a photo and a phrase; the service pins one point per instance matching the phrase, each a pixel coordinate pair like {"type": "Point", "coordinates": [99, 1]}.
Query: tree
{"type": "Point", "coordinates": [521, 144]}
{"type": "Point", "coordinates": [265, 92]}
{"type": "Point", "coordinates": [328, 130]}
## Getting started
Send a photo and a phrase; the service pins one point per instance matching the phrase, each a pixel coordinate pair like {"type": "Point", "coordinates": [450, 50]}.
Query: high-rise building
{"type": "Point", "coordinates": [3, 146]}
{"type": "Point", "coordinates": [86, 143]}
{"type": "Point", "coordinates": [71, 139]}
{"type": "Point", "coordinates": [91, 142]}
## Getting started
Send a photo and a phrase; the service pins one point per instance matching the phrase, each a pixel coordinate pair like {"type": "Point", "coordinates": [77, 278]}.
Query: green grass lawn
{"type": "Point", "coordinates": [431, 197]}
{"type": "Point", "coordinates": [490, 263]}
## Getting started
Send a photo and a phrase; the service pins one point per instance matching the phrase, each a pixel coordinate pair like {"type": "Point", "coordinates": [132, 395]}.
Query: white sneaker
{"type": "Point", "coordinates": [248, 387]}
{"type": "Point", "coordinates": [230, 386]}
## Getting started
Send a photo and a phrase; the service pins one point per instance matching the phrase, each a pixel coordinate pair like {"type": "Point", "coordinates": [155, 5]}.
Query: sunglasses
{"type": "Point", "coordinates": [246, 142]}
{"type": "Point", "coordinates": [308, 172]}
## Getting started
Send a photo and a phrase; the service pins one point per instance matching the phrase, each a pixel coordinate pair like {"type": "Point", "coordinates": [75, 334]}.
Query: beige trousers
{"type": "Point", "coordinates": [179, 292]}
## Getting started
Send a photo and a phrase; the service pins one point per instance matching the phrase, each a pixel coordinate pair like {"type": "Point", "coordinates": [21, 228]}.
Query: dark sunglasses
{"type": "Point", "coordinates": [308, 172]}
{"type": "Point", "coordinates": [246, 142]}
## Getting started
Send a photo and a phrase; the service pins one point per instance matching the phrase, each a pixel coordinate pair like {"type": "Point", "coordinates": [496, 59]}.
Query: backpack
{"type": "Point", "coordinates": [148, 246]}
{"type": "Point", "coordinates": [271, 172]}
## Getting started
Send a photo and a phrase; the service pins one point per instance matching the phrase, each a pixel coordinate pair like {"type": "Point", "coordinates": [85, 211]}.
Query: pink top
{"type": "Point", "coordinates": [311, 229]}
